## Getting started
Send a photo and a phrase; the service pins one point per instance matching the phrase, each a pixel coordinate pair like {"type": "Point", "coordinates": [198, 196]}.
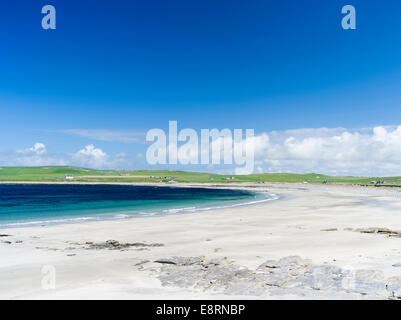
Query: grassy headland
{"type": "Point", "coordinates": [61, 173]}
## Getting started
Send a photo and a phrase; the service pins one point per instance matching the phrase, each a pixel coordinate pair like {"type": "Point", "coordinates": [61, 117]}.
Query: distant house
{"type": "Point", "coordinates": [377, 182]}
{"type": "Point", "coordinates": [169, 177]}
{"type": "Point", "coordinates": [69, 177]}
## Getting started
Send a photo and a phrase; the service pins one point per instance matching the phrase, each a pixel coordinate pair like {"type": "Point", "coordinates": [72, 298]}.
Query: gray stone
{"type": "Point", "coordinates": [369, 282]}
{"type": "Point", "coordinates": [182, 261]}
{"type": "Point", "coordinates": [289, 275]}
{"type": "Point", "coordinates": [116, 245]}
{"type": "Point", "coordinates": [320, 277]}
{"type": "Point", "coordinates": [113, 243]}
{"type": "Point", "coordinates": [383, 231]}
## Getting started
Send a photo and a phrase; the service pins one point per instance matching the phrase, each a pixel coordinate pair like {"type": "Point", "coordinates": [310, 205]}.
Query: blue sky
{"type": "Point", "coordinates": [122, 67]}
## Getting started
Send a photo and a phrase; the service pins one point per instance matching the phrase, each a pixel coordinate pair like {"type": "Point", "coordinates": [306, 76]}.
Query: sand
{"type": "Point", "coordinates": [309, 221]}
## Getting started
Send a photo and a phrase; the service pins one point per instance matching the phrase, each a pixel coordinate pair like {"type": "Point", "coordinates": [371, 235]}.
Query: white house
{"type": "Point", "coordinates": [69, 177]}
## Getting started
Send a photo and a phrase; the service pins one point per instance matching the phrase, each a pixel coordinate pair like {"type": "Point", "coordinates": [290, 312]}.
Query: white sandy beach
{"type": "Point", "coordinates": [247, 236]}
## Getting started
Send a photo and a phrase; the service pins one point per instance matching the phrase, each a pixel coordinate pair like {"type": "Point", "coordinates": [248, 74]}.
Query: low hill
{"type": "Point", "coordinates": [68, 173]}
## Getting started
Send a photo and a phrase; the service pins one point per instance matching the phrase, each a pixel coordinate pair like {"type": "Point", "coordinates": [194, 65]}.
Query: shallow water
{"type": "Point", "coordinates": [46, 204]}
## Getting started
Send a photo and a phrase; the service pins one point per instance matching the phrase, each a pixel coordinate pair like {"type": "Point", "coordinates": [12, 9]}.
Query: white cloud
{"type": "Point", "coordinates": [38, 148]}
{"type": "Point", "coordinates": [34, 156]}
{"type": "Point", "coordinates": [96, 158]}
{"type": "Point", "coordinates": [90, 156]}
{"type": "Point", "coordinates": [332, 151]}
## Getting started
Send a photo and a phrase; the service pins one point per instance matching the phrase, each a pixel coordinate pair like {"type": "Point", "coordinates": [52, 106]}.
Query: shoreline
{"type": "Point", "coordinates": [190, 184]}
{"type": "Point", "coordinates": [309, 228]}
{"type": "Point", "coordinates": [244, 185]}
{"type": "Point", "coordinates": [138, 215]}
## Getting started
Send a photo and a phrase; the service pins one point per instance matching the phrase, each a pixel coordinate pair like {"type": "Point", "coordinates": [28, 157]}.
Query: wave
{"type": "Point", "coordinates": [273, 197]}
{"type": "Point", "coordinates": [47, 222]}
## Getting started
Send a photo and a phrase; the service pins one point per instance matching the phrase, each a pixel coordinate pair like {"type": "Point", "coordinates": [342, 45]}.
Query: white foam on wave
{"type": "Point", "coordinates": [122, 216]}
{"type": "Point", "coordinates": [47, 222]}
{"type": "Point", "coordinates": [271, 197]}
{"type": "Point", "coordinates": [177, 210]}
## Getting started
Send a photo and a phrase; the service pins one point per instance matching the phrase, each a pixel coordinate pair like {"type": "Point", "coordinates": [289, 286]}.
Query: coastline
{"type": "Point", "coordinates": [315, 223]}
{"type": "Point", "coordinates": [128, 213]}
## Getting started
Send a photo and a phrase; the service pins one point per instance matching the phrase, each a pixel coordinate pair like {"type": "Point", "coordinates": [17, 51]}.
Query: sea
{"type": "Point", "coordinates": [44, 204]}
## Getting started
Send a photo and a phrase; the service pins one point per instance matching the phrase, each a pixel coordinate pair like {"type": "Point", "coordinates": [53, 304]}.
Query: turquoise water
{"type": "Point", "coordinates": [22, 205]}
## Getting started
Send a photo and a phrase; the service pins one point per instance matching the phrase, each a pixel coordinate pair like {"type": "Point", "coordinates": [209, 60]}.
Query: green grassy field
{"type": "Point", "coordinates": [51, 174]}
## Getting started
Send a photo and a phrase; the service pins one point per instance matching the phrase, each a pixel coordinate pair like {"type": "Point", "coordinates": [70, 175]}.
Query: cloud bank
{"type": "Point", "coordinates": [367, 152]}
{"type": "Point", "coordinates": [89, 156]}
{"type": "Point", "coordinates": [334, 151]}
